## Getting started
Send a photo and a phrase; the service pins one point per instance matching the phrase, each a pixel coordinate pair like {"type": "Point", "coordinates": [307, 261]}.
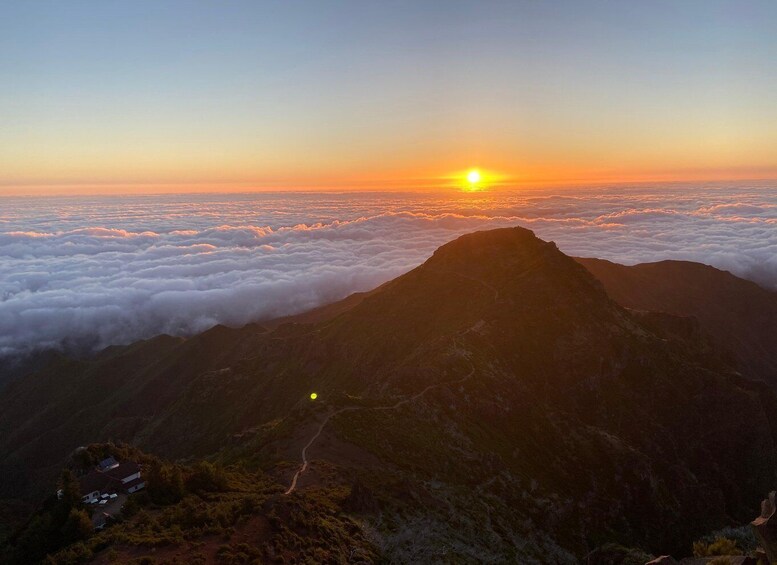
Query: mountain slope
{"type": "Point", "coordinates": [494, 400]}
{"type": "Point", "coordinates": [740, 315]}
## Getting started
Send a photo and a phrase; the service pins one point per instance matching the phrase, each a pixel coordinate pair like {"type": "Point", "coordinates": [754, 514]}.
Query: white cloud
{"type": "Point", "coordinates": [92, 272]}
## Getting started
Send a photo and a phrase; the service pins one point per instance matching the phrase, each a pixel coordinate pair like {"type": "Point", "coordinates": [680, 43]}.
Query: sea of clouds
{"type": "Point", "coordinates": [93, 271]}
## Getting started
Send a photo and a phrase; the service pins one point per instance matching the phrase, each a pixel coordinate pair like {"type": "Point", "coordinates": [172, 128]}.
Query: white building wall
{"type": "Point", "coordinates": [131, 477]}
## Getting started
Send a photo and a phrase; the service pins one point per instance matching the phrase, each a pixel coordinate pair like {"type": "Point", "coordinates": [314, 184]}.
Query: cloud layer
{"type": "Point", "coordinates": [89, 272]}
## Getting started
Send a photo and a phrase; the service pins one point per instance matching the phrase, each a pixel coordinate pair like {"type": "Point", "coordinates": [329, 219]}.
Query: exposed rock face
{"type": "Point", "coordinates": [765, 528]}
{"type": "Point", "coordinates": [663, 560]}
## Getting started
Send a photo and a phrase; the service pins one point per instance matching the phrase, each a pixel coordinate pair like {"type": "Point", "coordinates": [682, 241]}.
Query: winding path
{"type": "Point", "coordinates": [305, 462]}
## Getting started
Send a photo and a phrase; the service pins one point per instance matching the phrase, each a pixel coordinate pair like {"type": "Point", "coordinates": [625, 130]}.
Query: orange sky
{"type": "Point", "coordinates": [160, 98]}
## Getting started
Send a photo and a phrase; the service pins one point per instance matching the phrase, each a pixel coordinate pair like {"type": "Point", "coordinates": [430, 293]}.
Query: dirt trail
{"type": "Point", "coordinates": [304, 467]}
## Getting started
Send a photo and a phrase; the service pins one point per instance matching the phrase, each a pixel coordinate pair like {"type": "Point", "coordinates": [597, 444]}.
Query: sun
{"type": "Point", "coordinates": [474, 179]}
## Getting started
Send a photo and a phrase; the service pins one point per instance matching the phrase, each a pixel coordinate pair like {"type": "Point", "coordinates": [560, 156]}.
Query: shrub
{"type": "Point", "coordinates": [164, 483]}
{"type": "Point", "coordinates": [131, 507]}
{"type": "Point", "coordinates": [77, 527]}
{"type": "Point", "coordinates": [207, 477]}
{"type": "Point", "coordinates": [721, 546]}
{"type": "Point", "coordinates": [76, 553]}
{"type": "Point", "coordinates": [743, 536]}
{"type": "Point", "coordinates": [240, 554]}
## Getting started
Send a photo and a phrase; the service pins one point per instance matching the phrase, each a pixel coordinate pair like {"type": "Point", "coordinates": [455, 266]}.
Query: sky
{"type": "Point", "coordinates": [131, 96]}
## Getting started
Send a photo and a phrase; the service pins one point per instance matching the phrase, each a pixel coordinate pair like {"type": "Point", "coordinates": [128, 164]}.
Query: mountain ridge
{"type": "Point", "coordinates": [739, 314]}
{"type": "Point", "coordinates": [614, 419]}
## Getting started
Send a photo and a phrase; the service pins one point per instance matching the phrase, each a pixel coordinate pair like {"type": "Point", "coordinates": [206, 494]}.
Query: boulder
{"type": "Point", "coordinates": [765, 528]}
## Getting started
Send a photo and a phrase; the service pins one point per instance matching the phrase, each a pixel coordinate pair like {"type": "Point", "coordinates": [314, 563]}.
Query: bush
{"type": "Point", "coordinates": [76, 553]}
{"type": "Point", "coordinates": [614, 554]}
{"type": "Point", "coordinates": [743, 536]}
{"type": "Point", "coordinates": [207, 477]}
{"type": "Point", "coordinates": [78, 526]}
{"type": "Point", "coordinates": [164, 483]}
{"type": "Point", "coordinates": [131, 507]}
{"type": "Point", "coordinates": [721, 546]}
{"type": "Point", "coordinates": [240, 554]}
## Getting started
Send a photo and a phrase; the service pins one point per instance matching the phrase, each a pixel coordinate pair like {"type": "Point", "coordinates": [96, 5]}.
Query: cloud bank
{"type": "Point", "coordinates": [87, 273]}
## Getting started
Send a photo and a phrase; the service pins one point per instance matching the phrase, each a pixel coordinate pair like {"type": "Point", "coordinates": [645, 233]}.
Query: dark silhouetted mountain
{"type": "Point", "coordinates": [493, 404]}
{"type": "Point", "coordinates": [740, 315]}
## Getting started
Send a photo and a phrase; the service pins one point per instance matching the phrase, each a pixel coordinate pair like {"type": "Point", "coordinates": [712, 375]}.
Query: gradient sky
{"type": "Point", "coordinates": [122, 96]}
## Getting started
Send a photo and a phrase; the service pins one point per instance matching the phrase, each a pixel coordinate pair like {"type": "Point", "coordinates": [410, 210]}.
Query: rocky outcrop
{"type": "Point", "coordinates": [663, 560]}
{"type": "Point", "coordinates": [765, 528]}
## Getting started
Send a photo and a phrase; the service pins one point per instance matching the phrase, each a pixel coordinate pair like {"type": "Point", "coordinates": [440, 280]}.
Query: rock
{"type": "Point", "coordinates": [663, 560]}
{"type": "Point", "coordinates": [765, 528]}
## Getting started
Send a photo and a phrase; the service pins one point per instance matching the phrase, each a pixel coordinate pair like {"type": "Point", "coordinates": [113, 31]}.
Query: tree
{"type": "Point", "coordinates": [207, 477]}
{"type": "Point", "coordinates": [131, 507]}
{"type": "Point", "coordinates": [165, 484]}
{"type": "Point", "coordinates": [71, 491]}
{"type": "Point", "coordinates": [77, 527]}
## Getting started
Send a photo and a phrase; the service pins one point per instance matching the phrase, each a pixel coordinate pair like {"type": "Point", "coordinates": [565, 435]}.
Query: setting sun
{"type": "Point", "coordinates": [476, 179]}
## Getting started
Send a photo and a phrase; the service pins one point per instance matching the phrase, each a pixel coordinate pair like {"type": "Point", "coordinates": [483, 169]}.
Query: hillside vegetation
{"type": "Point", "coordinates": [495, 403]}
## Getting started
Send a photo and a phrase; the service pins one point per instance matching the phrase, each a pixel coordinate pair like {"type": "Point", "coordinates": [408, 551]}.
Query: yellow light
{"type": "Point", "coordinates": [313, 396]}
{"type": "Point", "coordinates": [474, 179]}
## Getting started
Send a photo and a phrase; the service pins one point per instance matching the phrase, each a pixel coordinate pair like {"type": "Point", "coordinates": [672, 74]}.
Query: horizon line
{"type": "Point", "coordinates": [151, 189]}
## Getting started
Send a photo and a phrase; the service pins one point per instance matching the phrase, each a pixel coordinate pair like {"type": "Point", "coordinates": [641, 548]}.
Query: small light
{"type": "Point", "coordinates": [313, 396]}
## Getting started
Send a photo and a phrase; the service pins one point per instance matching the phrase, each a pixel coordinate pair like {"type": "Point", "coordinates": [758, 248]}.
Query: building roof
{"type": "Point", "coordinates": [123, 470]}
{"type": "Point", "coordinates": [95, 480]}
{"type": "Point", "coordinates": [109, 480]}
{"type": "Point", "coordinates": [106, 464]}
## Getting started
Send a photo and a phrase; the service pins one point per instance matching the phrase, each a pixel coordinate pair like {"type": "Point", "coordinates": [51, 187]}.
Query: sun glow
{"type": "Point", "coordinates": [475, 179]}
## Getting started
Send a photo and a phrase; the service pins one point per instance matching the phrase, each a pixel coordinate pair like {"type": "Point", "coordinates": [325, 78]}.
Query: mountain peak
{"type": "Point", "coordinates": [497, 238]}
{"type": "Point", "coordinates": [517, 265]}
{"type": "Point", "coordinates": [512, 243]}
{"type": "Point", "coordinates": [506, 282]}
